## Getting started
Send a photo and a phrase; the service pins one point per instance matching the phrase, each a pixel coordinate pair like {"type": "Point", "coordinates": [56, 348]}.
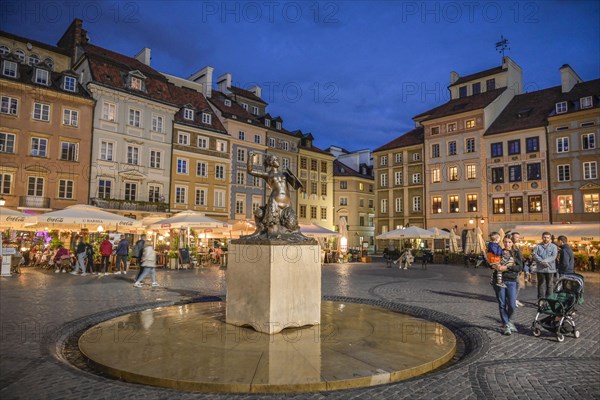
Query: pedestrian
{"type": "Point", "coordinates": [506, 295]}
{"type": "Point", "coordinates": [62, 259]}
{"type": "Point", "coordinates": [80, 250]}
{"type": "Point", "coordinates": [544, 255]}
{"type": "Point", "coordinates": [148, 261]}
{"type": "Point", "coordinates": [138, 253]}
{"type": "Point", "coordinates": [122, 255]}
{"type": "Point", "coordinates": [592, 262]}
{"type": "Point", "coordinates": [516, 239]}
{"type": "Point", "coordinates": [106, 249]}
{"type": "Point", "coordinates": [566, 259]}
{"type": "Point", "coordinates": [494, 255]}
{"type": "Point", "coordinates": [89, 255]}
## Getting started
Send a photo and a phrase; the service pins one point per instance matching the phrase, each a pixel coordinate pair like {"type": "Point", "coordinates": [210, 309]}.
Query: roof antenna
{"type": "Point", "coordinates": [502, 45]}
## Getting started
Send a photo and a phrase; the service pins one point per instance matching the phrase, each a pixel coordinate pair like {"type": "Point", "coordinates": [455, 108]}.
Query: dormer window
{"type": "Point", "coordinates": [206, 118]}
{"type": "Point", "coordinates": [228, 103]}
{"type": "Point", "coordinates": [4, 50]}
{"type": "Point", "coordinates": [561, 107]}
{"type": "Point", "coordinates": [49, 62]}
{"type": "Point", "coordinates": [41, 76]}
{"type": "Point", "coordinates": [278, 125]}
{"type": "Point", "coordinates": [490, 84]}
{"type": "Point", "coordinates": [267, 123]}
{"type": "Point", "coordinates": [70, 84]}
{"type": "Point", "coordinates": [188, 114]}
{"type": "Point", "coordinates": [33, 59]}
{"type": "Point", "coordinates": [136, 83]}
{"type": "Point", "coordinates": [10, 69]}
{"type": "Point", "coordinates": [462, 91]}
{"type": "Point", "coordinates": [585, 102]}
{"type": "Point", "coordinates": [254, 110]}
{"type": "Point", "coordinates": [245, 106]}
{"type": "Point", "coordinates": [20, 55]}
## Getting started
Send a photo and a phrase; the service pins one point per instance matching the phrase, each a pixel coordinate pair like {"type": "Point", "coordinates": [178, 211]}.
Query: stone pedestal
{"type": "Point", "coordinates": [273, 286]}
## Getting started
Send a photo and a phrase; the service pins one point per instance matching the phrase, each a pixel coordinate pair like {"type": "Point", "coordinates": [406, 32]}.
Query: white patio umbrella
{"type": "Point", "coordinates": [501, 232]}
{"type": "Point", "coordinates": [453, 242]}
{"type": "Point", "coordinates": [479, 242]}
{"type": "Point", "coordinates": [189, 219]}
{"type": "Point", "coordinates": [85, 216]}
{"type": "Point", "coordinates": [314, 230]}
{"type": "Point", "coordinates": [469, 245]}
{"type": "Point", "coordinates": [11, 219]}
{"type": "Point", "coordinates": [411, 232]}
{"type": "Point", "coordinates": [439, 234]}
{"type": "Point", "coordinates": [241, 228]}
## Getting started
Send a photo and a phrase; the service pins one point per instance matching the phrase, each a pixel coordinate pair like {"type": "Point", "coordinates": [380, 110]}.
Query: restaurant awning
{"type": "Point", "coordinates": [573, 232]}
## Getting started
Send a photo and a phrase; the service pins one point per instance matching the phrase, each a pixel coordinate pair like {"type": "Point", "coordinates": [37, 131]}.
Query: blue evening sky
{"type": "Point", "coordinates": [351, 72]}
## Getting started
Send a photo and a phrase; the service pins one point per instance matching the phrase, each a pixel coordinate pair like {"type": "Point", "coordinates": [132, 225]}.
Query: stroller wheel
{"type": "Point", "coordinates": [560, 337]}
{"type": "Point", "coordinates": [537, 332]}
{"type": "Point", "coordinates": [576, 333]}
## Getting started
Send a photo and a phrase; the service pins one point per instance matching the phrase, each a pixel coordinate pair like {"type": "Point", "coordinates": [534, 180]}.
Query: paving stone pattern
{"type": "Point", "coordinates": [41, 311]}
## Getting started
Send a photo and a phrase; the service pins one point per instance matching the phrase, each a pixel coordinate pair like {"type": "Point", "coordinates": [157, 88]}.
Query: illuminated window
{"type": "Point", "coordinates": [565, 204]}
{"type": "Point", "coordinates": [516, 205]}
{"type": "Point", "coordinates": [453, 204]}
{"type": "Point", "coordinates": [498, 203]}
{"type": "Point", "coordinates": [535, 204]}
{"type": "Point", "coordinates": [436, 205]}
{"type": "Point", "coordinates": [590, 203]}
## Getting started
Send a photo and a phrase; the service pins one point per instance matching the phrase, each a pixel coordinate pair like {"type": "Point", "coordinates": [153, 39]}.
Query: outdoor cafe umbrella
{"type": "Point", "coordinates": [188, 219]}
{"type": "Point", "coordinates": [411, 232]}
{"type": "Point", "coordinates": [501, 233]}
{"type": "Point", "coordinates": [479, 242]}
{"type": "Point", "coordinates": [314, 230]}
{"type": "Point", "coordinates": [11, 219]}
{"type": "Point", "coordinates": [85, 216]}
{"type": "Point", "coordinates": [453, 242]}
{"type": "Point", "coordinates": [469, 245]}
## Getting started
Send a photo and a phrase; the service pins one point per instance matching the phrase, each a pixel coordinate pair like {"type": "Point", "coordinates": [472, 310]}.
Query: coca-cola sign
{"type": "Point", "coordinates": [54, 219]}
{"type": "Point", "coordinates": [15, 219]}
{"type": "Point", "coordinates": [126, 223]}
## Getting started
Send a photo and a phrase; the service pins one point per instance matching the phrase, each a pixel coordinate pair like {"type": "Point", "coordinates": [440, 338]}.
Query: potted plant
{"type": "Point", "coordinates": [173, 257]}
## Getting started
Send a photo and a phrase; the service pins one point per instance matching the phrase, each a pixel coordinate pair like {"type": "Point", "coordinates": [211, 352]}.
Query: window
{"type": "Point", "coordinates": [384, 204]}
{"type": "Point", "coordinates": [313, 212]}
{"type": "Point", "coordinates": [240, 178]}
{"type": "Point", "coordinates": [254, 110]}
{"type": "Point", "coordinates": [435, 130]}
{"type": "Point", "coordinates": [70, 84]}
{"type": "Point", "coordinates": [471, 203]}
{"type": "Point", "coordinates": [471, 171]}
{"type": "Point", "coordinates": [256, 181]}
{"type": "Point", "coordinates": [104, 187]}
{"type": "Point", "coordinates": [398, 204]}
{"type": "Point", "coordinates": [533, 144]}
{"type": "Point", "coordinates": [397, 178]}
{"type": "Point", "coordinates": [9, 105]}
{"type": "Point", "coordinates": [155, 159]}
{"type": "Point", "coordinates": [361, 186]}
{"type": "Point", "coordinates": [10, 69]}
{"type": "Point", "coordinates": [157, 123]}
{"type": "Point", "coordinates": [516, 205]}
{"type": "Point", "coordinates": [416, 203]}
{"type": "Point", "coordinates": [135, 83]}
{"type": "Point", "coordinates": [303, 163]}
{"type": "Point", "coordinates": [514, 147]}
{"type": "Point", "coordinates": [285, 162]}
{"type": "Point", "coordinates": [41, 76]}
{"type": "Point", "coordinates": [534, 172]}
{"type": "Point", "coordinates": [219, 171]}
{"type": "Point", "coordinates": [453, 203]}
{"type": "Point", "coordinates": [398, 158]}
{"type": "Point", "coordinates": [133, 154]}
{"type": "Point", "coordinates": [239, 206]}
{"type": "Point", "coordinates": [562, 145]}
{"type": "Point", "coordinates": [323, 213]}
{"type": "Point", "coordinates": [451, 127]}
{"type": "Point", "coordinates": [383, 160]}
{"type": "Point", "coordinates": [436, 204]}
{"type": "Point", "coordinates": [498, 175]}
{"type": "Point", "coordinates": [561, 107]}
{"type": "Point", "coordinates": [109, 111]}
{"type": "Point", "coordinates": [564, 172]}
{"type": "Point", "coordinates": [201, 169]}
{"type": "Point", "coordinates": [183, 138]}
{"type": "Point", "coordinates": [7, 143]}
{"type": "Point", "coordinates": [435, 150]}
{"type": "Point", "coordinates": [361, 220]}
{"type": "Point", "coordinates": [68, 151]}
{"type": "Point", "coordinates": [323, 188]}
{"type": "Point", "coordinates": [267, 122]}
{"type": "Point", "coordinates": [106, 151]}
{"type": "Point", "coordinates": [245, 106]}
{"type": "Point", "coordinates": [343, 201]}
{"type": "Point", "coordinates": [20, 54]}
{"type": "Point", "coordinates": [285, 145]}
{"type": "Point", "coordinates": [153, 193]}
{"type": "Point", "coordinates": [589, 170]}
{"type": "Point", "coordinates": [585, 102]}
{"type": "Point", "coordinates": [514, 173]}
{"type": "Point", "coordinates": [383, 180]}
{"type": "Point", "coordinates": [416, 177]}
{"type": "Point", "coordinates": [462, 91]}
{"type": "Point", "coordinates": [452, 148]}
{"type": "Point", "coordinates": [452, 173]}
{"type": "Point", "coordinates": [182, 166]}
{"type": "Point", "coordinates": [590, 203]}
{"type": "Point", "coordinates": [343, 184]}
{"type": "Point", "coordinates": [313, 187]}
{"type": "Point", "coordinates": [535, 204]}
{"type": "Point", "coordinates": [206, 118]}
{"type": "Point", "coordinates": [257, 139]}
{"type": "Point", "coordinates": [221, 146]}
{"type": "Point", "coordinates": [41, 111]}
{"type": "Point", "coordinates": [220, 198]}
{"type": "Point", "coordinates": [370, 203]}
{"type": "Point", "coordinates": [200, 198]}
{"type": "Point", "coordinates": [39, 147]}
{"type": "Point", "coordinates": [470, 145]}
{"type": "Point", "coordinates": [565, 204]}
{"type": "Point", "coordinates": [180, 195]}
{"type": "Point", "coordinates": [242, 135]}
{"type": "Point", "coordinates": [302, 211]}
{"type": "Point", "coordinates": [70, 117]}
{"type": "Point", "coordinates": [188, 114]}
{"type": "Point", "coordinates": [416, 156]}
{"type": "Point", "coordinates": [271, 142]}
{"type": "Point", "coordinates": [241, 155]}
{"type": "Point", "coordinates": [498, 205]}
{"type": "Point", "coordinates": [497, 150]}
{"type": "Point", "coordinates": [5, 183]}
{"type": "Point", "coordinates": [435, 175]}
{"type": "Point", "coordinates": [323, 170]}
{"type": "Point", "coordinates": [476, 88]}
{"type": "Point", "coordinates": [470, 124]}
{"type": "Point", "coordinates": [278, 125]}
{"type": "Point", "coordinates": [4, 50]}
{"type": "Point", "coordinates": [65, 189]}
{"type": "Point", "coordinates": [35, 186]}
{"type": "Point", "coordinates": [134, 117]}
{"type": "Point", "coordinates": [228, 102]}
{"type": "Point", "coordinates": [588, 141]}
{"type": "Point", "coordinates": [49, 62]}
{"type": "Point", "coordinates": [490, 84]}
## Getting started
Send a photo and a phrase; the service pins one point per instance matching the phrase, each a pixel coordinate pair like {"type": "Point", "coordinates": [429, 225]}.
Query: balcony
{"type": "Point", "coordinates": [130, 205]}
{"type": "Point", "coordinates": [34, 202]}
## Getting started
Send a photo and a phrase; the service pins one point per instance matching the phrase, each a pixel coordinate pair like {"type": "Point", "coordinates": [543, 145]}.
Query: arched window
{"type": "Point", "coordinates": [20, 54]}
{"type": "Point", "coordinates": [49, 62]}
{"type": "Point", "coordinates": [33, 59]}
{"type": "Point", "coordinates": [4, 50]}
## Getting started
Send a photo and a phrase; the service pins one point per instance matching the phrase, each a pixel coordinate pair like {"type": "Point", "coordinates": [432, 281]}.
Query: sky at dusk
{"type": "Point", "coordinates": [353, 73]}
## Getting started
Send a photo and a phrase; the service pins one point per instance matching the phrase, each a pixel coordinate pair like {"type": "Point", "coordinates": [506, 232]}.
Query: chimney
{"type": "Point", "coordinates": [204, 77]}
{"type": "Point", "coordinates": [256, 90]}
{"type": "Point", "coordinates": [453, 77]}
{"type": "Point", "coordinates": [144, 56]}
{"type": "Point", "coordinates": [224, 82]}
{"type": "Point", "coordinates": [74, 36]}
{"type": "Point", "coordinates": [568, 78]}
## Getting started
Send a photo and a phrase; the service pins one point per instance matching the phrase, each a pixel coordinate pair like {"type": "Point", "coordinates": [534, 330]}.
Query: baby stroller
{"type": "Point", "coordinates": [556, 311]}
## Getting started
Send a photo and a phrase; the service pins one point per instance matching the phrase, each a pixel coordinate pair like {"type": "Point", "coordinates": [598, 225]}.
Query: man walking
{"type": "Point", "coordinates": [80, 250]}
{"type": "Point", "coordinates": [138, 253]}
{"type": "Point", "coordinates": [518, 256]}
{"type": "Point", "coordinates": [122, 254]}
{"type": "Point", "coordinates": [566, 259]}
{"type": "Point", "coordinates": [544, 255]}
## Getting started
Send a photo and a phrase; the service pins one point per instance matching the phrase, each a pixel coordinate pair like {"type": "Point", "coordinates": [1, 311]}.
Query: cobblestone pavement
{"type": "Point", "coordinates": [40, 310]}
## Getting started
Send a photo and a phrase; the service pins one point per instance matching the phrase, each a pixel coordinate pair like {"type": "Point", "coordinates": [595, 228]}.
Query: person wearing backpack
{"type": "Point", "coordinates": [138, 253]}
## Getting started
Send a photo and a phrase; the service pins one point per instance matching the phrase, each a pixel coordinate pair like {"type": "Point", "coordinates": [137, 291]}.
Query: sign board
{"type": "Point", "coordinates": [165, 225]}
{"type": "Point", "coordinates": [184, 256]}
{"type": "Point", "coordinates": [9, 250]}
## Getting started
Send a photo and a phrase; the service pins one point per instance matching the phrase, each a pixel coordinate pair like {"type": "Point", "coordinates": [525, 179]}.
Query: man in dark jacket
{"type": "Point", "coordinates": [138, 253]}
{"type": "Point", "coordinates": [566, 259]}
{"type": "Point", "coordinates": [122, 255]}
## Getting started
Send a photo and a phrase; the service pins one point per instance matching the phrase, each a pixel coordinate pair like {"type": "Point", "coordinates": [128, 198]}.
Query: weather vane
{"type": "Point", "coordinates": [502, 45]}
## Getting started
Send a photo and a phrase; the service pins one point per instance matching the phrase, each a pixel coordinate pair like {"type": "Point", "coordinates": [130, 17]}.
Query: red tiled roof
{"type": "Point", "coordinates": [218, 99]}
{"type": "Point", "coordinates": [246, 93]}
{"type": "Point", "coordinates": [183, 96]}
{"type": "Point", "coordinates": [525, 111]}
{"type": "Point", "coordinates": [583, 89]}
{"type": "Point", "coordinates": [341, 169]}
{"type": "Point", "coordinates": [410, 138]}
{"type": "Point", "coordinates": [478, 75]}
{"type": "Point", "coordinates": [461, 105]}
